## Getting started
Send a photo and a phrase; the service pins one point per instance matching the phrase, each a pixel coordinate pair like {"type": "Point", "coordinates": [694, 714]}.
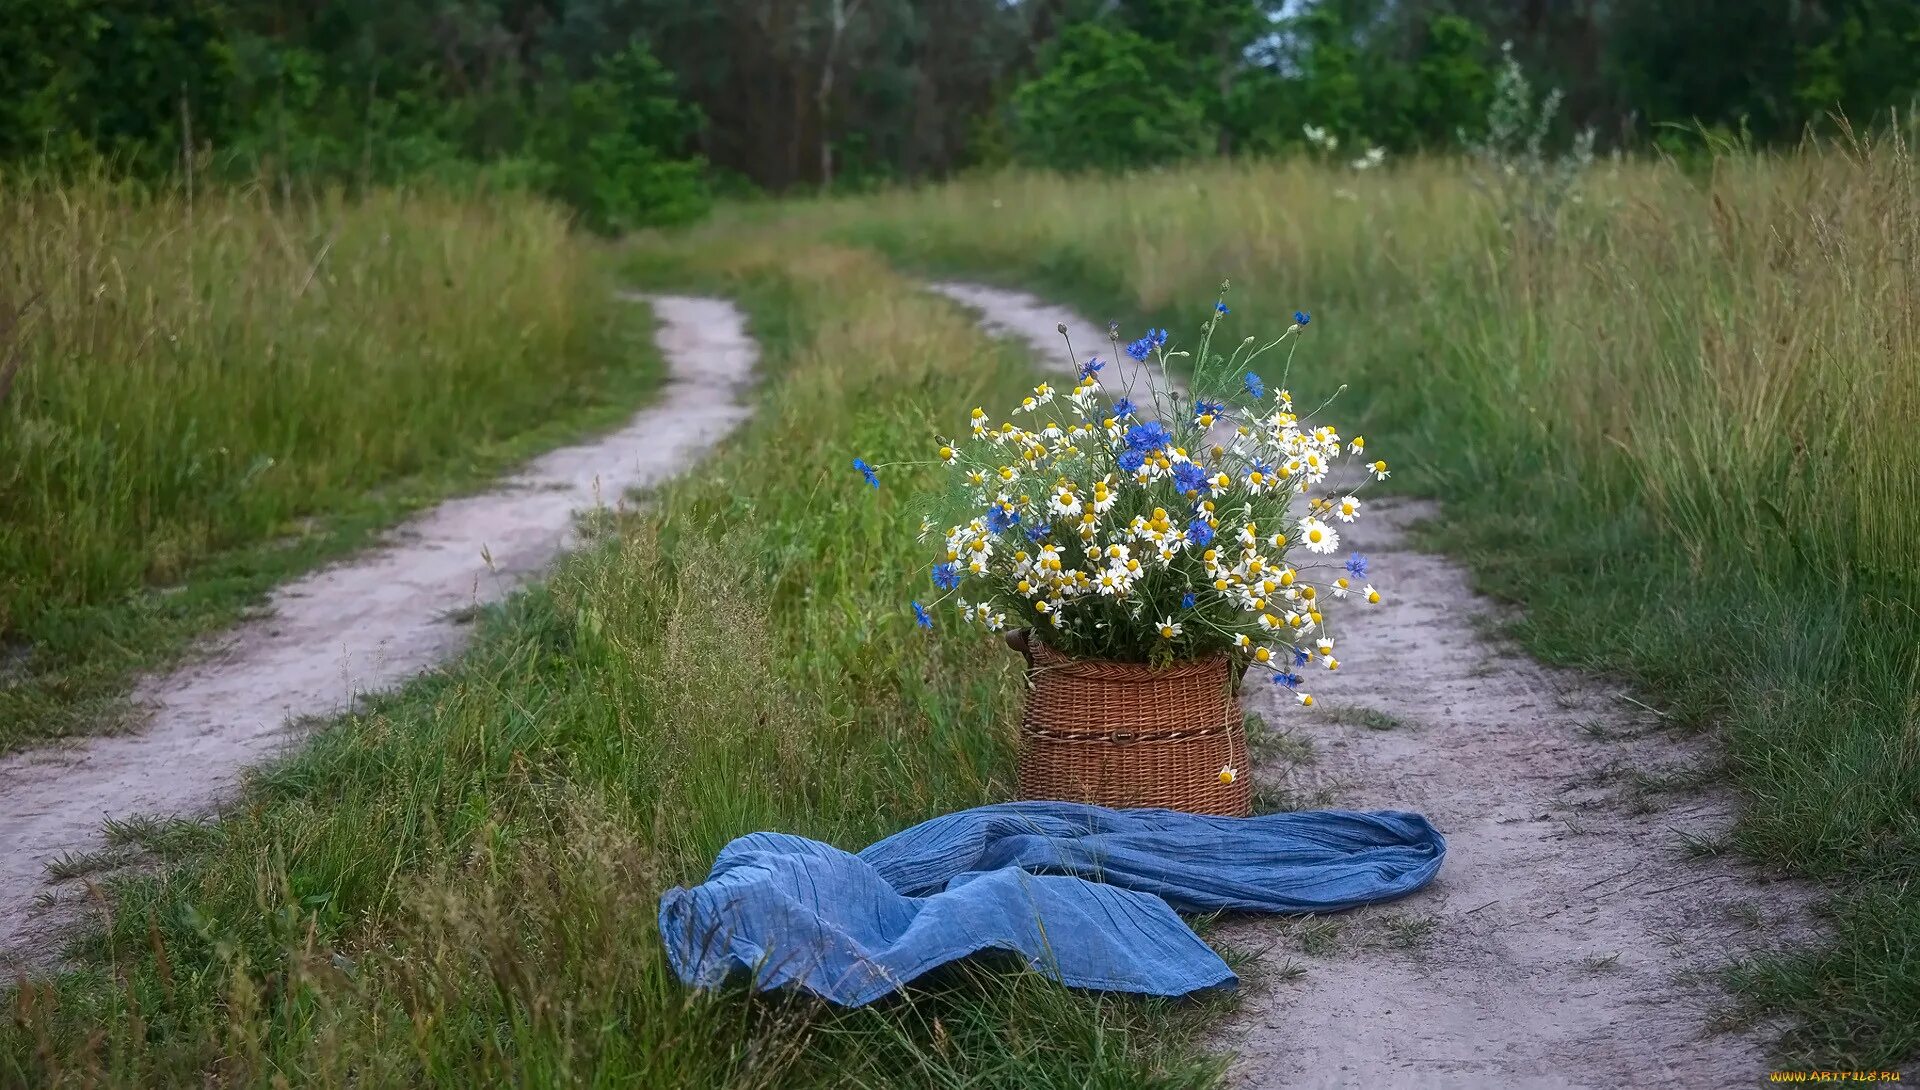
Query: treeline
{"type": "Point", "coordinates": [634, 111]}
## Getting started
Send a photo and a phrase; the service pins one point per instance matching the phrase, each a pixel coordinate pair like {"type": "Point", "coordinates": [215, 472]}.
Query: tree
{"type": "Point", "coordinates": [1864, 62]}
{"type": "Point", "coordinates": [617, 148]}
{"type": "Point", "coordinates": [1673, 63]}
{"type": "Point", "coordinates": [1451, 82]}
{"type": "Point", "coordinates": [1102, 101]}
{"type": "Point", "coordinates": [118, 80]}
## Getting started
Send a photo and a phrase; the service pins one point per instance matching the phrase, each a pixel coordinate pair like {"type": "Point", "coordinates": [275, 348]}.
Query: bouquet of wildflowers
{"type": "Point", "coordinates": [1122, 519]}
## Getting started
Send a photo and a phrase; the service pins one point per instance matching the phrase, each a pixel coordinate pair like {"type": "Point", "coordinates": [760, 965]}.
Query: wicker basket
{"type": "Point", "coordinates": [1125, 734]}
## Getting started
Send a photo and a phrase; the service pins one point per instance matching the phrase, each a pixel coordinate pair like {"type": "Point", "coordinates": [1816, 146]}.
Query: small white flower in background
{"type": "Point", "coordinates": [1373, 158]}
{"type": "Point", "coordinates": [1169, 628]}
{"type": "Point", "coordinates": [1320, 138]}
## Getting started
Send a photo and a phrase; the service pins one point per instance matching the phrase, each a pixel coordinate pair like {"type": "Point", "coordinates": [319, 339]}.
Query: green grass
{"type": "Point", "coordinates": [459, 886]}
{"type": "Point", "coordinates": [214, 396]}
{"type": "Point", "coordinates": [1679, 431]}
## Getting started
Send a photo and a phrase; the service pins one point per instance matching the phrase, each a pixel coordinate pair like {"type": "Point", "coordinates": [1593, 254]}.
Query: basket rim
{"type": "Point", "coordinates": [1043, 654]}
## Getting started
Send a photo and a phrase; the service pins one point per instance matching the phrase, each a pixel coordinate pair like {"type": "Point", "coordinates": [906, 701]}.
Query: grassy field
{"type": "Point", "coordinates": [211, 394]}
{"type": "Point", "coordinates": [1675, 420]}
{"type": "Point", "coordinates": [459, 887]}
{"type": "Point", "coordinates": [1677, 427]}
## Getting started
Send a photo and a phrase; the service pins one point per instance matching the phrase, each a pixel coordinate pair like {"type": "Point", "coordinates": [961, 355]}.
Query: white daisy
{"type": "Point", "coordinates": [1317, 536]}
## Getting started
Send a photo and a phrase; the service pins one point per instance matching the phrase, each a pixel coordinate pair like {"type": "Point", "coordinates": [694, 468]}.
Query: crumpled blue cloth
{"type": "Point", "coordinates": [1086, 895]}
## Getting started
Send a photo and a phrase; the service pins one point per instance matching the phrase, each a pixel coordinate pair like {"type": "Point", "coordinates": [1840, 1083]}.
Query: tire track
{"type": "Point", "coordinates": [1570, 939]}
{"type": "Point", "coordinates": [368, 624]}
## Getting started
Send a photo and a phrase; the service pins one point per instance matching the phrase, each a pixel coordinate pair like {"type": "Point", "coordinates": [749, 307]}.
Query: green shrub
{"type": "Point", "coordinates": [617, 152]}
{"type": "Point", "coordinates": [1101, 101]}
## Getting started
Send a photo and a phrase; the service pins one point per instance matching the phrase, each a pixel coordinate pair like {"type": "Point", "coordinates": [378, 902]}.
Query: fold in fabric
{"type": "Point", "coordinates": [1085, 895]}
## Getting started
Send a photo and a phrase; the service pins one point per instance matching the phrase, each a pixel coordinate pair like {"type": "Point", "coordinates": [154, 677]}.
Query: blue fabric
{"type": "Point", "coordinates": [1085, 895]}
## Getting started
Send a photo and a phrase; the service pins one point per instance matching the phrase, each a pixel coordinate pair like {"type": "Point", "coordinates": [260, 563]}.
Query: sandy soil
{"type": "Point", "coordinates": [1570, 937]}
{"type": "Point", "coordinates": [362, 626]}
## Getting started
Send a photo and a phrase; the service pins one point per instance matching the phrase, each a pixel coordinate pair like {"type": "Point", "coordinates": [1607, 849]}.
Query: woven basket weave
{"type": "Point", "coordinates": [1125, 734]}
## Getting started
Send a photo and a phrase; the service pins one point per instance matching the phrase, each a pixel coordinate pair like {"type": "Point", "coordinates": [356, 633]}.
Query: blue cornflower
{"type": "Point", "coordinates": [1300, 658]}
{"type": "Point", "coordinates": [1140, 349]}
{"type": "Point", "coordinates": [946, 576]}
{"type": "Point", "coordinates": [1092, 367]}
{"type": "Point", "coordinates": [1130, 460]}
{"type": "Point", "coordinates": [1199, 532]}
{"type": "Point", "coordinates": [1187, 600]}
{"type": "Point", "coordinates": [1288, 678]}
{"type": "Point", "coordinates": [1035, 533]}
{"type": "Point", "coordinates": [866, 471]}
{"type": "Point", "coordinates": [1203, 408]}
{"type": "Point", "coordinates": [1122, 409]}
{"type": "Point", "coordinates": [1254, 386]}
{"type": "Point", "coordinates": [1220, 308]}
{"type": "Point", "coordinates": [1301, 317]}
{"type": "Point", "coordinates": [1157, 336]}
{"type": "Point", "coordinates": [1151, 435]}
{"type": "Point", "coordinates": [1190, 477]}
{"type": "Point", "coordinates": [1001, 518]}
{"type": "Point", "coordinates": [1357, 566]}
{"type": "Point", "coordinates": [921, 615]}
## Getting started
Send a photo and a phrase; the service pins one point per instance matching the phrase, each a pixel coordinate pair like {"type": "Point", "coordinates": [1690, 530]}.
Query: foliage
{"type": "Point", "coordinates": [1102, 100]}
{"type": "Point", "coordinates": [857, 93]}
{"type": "Point", "coordinates": [1797, 63]}
{"type": "Point", "coordinates": [617, 148]}
{"type": "Point", "coordinates": [358, 93]}
{"type": "Point", "coordinates": [1451, 82]}
{"type": "Point", "coordinates": [120, 80]}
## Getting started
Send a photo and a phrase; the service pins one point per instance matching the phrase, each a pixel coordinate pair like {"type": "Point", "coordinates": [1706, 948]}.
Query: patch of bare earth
{"type": "Point", "coordinates": [1572, 936]}
{"type": "Point", "coordinates": [361, 626]}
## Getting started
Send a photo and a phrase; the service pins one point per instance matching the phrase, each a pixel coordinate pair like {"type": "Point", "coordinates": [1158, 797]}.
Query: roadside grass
{"type": "Point", "coordinates": [1679, 430]}
{"type": "Point", "coordinates": [459, 886]}
{"type": "Point", "coordinates": [213, 395]}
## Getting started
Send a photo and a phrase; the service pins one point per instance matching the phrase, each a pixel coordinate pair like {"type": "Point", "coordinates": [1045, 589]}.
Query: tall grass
{"type": "Point", "coordinates": [202, 374]}
{"type": "Point", "coordinates": [459, 888]}
{"type": "Point", "coordinates": [1680, 427]}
